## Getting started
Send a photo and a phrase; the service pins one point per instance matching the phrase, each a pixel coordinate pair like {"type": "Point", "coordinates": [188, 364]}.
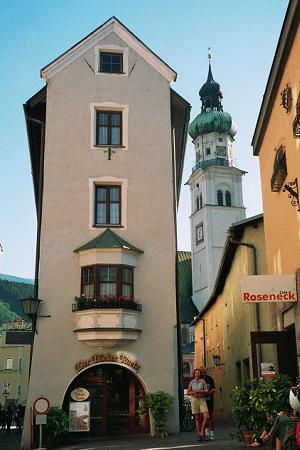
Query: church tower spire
{"type": "Point", "coordinates": [216, 187]}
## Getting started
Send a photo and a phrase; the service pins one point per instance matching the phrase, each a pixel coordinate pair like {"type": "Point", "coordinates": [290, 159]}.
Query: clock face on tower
{"type": "Point", "coordinates": [221, 150]}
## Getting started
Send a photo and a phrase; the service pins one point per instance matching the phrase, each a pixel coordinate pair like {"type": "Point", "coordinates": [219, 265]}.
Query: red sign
{"type": "Point", "coordinates": [41, 405]}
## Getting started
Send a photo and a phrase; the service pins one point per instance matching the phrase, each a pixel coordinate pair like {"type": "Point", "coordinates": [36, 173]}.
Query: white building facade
{"type": "Point", "coordinates": [216, 188]}
{"type": "Point", "coordinates": [107, 140]}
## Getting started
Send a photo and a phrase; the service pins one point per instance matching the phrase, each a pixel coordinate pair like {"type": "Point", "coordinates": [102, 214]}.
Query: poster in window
{"type": "Point", "coordinates": [199, 233]}
{"type": "Point", "coordinates": [79, 416]}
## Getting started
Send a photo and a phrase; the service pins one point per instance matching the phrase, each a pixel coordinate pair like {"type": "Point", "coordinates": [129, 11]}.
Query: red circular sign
{"type": "Point", "coordinates": [41, 405]}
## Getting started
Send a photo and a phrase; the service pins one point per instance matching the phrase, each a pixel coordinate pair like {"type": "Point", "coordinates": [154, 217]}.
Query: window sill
{"type": "Point", "coordinates": [107, 225]}
{"type": "Point", "coordinates": [111, 73]}
{"type": "Point", "coordinates": [109, 146]}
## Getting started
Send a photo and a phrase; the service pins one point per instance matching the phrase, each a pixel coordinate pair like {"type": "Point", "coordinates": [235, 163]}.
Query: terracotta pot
{"type": "Point", "coordinates": [248, 437]}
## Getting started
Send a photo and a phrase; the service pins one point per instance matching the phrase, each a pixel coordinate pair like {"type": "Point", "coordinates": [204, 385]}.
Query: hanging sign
{"type": "Point", "coordinates": [80, 394]}
{"type": "Point", "coordinates": [269, 288]}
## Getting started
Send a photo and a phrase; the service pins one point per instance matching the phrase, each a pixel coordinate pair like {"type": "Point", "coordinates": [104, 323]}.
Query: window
{"type": "Point", "coordinates": [186, 368]}
{"type": "Point", "coordinates": [220, 197]}
{"type": "Point", "coordinates": [228, 198]}
{"type": "Point", "coordinates": [199, 233]}
{"type": "Point", "coordinates": [20, 365]}
{"type": "Point", "coordinates": [111, 62]}
{"type": "Point", "coordinates": [19, 390]}
{"type": "Point", "coordinates": [8, 363]}
{"type": "Point", "coordinates": [201, 200]}
{"type": "Point", "coordinates": [107, 280]}
{"type": "Point", "coordinates": [279, 170]}
{"type": "Point", "coordinates": [207, 151]}
{"type": "Point", "coordinates": [109, 128]}
{"type": "Point", "coordinates": [197, 203]}
{"type": "Point", "coordinates": [107, 205]}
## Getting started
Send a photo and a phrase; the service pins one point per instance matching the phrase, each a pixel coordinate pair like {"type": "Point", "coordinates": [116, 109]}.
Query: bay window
{"type": "Point", "coordinates": [111, 281]}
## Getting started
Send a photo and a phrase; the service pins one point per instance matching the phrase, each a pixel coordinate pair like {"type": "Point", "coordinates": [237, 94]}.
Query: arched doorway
{"type": "Point", "coordinates": [110, 404]}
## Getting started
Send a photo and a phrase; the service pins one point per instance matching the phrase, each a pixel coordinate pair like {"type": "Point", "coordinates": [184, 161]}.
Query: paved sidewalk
{"type": "Point", "coordinates": [180, 441]}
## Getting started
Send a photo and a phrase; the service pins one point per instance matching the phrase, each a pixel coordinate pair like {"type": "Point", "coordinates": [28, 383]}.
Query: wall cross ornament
{"type": "Point", "coordinates": [109, 151]}
{"type": "Point", "coordinates": [286, 98]}
{"type": "Point", "coordinates": [292, 189]}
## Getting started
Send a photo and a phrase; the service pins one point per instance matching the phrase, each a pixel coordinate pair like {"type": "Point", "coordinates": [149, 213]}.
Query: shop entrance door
{"type": "Point", "coordinates": [284, 343]}
{"type": "Point", "coordinates": [114, 399]}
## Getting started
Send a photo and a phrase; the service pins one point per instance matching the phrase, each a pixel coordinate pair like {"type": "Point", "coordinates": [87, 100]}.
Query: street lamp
{"type": "Point", "coordinates": [30, 307]}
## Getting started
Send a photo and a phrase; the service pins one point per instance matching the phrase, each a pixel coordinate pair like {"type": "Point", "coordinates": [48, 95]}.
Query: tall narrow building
{"type": "Point", "coordinates": [216, 188]}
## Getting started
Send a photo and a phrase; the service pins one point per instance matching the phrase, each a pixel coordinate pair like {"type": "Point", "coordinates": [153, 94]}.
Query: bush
{"type": "Point", "coordinates": [159, 404]}
{"type": "Point", "coordinates": [255, 403]}
{"type": "Point", "coordinates": [56, 428]}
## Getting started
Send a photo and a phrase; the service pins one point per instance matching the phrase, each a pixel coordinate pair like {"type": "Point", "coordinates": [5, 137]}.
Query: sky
{"type": "Point", "coordinates": [242, 34]}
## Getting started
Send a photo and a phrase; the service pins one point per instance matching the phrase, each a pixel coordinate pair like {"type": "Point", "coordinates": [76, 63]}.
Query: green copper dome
{"type": "Point", "coordinates": [212, 121]}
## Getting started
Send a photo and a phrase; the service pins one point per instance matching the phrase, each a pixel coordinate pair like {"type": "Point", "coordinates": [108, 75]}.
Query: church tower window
{"type": "Point", "coordinates": [228, 198]}
{"type": "Point", "coordinates": [220, 197]}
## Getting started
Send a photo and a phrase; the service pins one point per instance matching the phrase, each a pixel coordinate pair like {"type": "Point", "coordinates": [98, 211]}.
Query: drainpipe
{"type": "Point", "coordinates": [257, 311]}
{"type": "Point", "coordinates": [204, 342]}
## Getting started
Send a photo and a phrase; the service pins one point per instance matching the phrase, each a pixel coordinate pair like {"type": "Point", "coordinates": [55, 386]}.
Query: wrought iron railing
{"type": "Point", "coordinates": [210, 162]}
{"type": "Point", "coordinates": [83, 304]}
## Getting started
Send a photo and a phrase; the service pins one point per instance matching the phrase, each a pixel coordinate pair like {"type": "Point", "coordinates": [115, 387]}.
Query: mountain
{"type": "Point", "coordinates": [10, 294]}
{"type": "Point", "coordinates": [3, 276]}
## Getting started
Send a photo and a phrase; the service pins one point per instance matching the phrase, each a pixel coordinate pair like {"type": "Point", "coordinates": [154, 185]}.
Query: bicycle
{"type": "Point", "coordinates": [188, 421]}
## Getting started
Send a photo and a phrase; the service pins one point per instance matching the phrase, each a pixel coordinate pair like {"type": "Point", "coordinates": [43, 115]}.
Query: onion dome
{"type": "Point", "coordinates": [210, 93]}
{"type": "Point", "coordinates": [212, 117]}
{"type": "Point", "coordinates": [212, 121]}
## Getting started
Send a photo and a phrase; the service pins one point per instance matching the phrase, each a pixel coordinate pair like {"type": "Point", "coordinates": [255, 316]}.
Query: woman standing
{"type": "Point", "coordinates": [198, 390]}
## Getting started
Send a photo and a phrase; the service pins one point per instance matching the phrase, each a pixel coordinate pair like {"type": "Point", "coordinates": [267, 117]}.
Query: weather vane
{"type": "Point", "coordinates": [209, 54]}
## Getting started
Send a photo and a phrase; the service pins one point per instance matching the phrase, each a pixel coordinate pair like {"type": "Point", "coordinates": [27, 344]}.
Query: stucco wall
{"type": "Point", "coordinates": [228, 323]}
{"type": "Point", "coordinates": [69, 163]}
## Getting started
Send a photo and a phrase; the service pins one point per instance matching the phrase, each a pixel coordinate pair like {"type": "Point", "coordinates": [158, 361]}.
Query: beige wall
{"type": "Point", "coordinates": [282, 220]}
{"type": "Point", "coordinates": [69, 163]}
{"type": "Point", "coordinates": [228, 323]}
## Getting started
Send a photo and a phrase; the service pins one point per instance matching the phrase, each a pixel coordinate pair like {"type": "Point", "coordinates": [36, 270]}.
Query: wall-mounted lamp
{"type": "Point", "coordinates": [30, 307]}
{"type": "Point", "coordinates": [217, 360]}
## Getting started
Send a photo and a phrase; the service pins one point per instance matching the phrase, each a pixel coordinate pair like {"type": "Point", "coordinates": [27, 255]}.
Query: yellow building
{"type": "Point", "coordinates": [226, 325]}
{"type": "Point", "coordinates": [276, 142]}
{"type": "Point", "coordinates": [14, 363]}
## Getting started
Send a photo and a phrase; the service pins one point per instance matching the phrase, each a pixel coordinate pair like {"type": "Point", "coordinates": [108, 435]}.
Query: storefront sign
{"type": "Point", "coordinates": [269, 288]}
{"type": "Point", "coordinates": [18, 337]}
{"type": "Point", "coordinates": [80, 394]}
{"type": "Point", "coordinates": [100, 358]}
{"type": "Point", "coordinates": [79, 416]}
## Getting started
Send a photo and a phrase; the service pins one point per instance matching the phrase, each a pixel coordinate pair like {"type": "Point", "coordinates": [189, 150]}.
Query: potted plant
{"type": "Point", "coordinates": [255, 403]}
{"type": "Point", "coordinates": [159, 404]}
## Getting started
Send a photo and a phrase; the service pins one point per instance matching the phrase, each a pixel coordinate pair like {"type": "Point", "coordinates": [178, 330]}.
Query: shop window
{"type": "Point", "coordinates": [107, 281]}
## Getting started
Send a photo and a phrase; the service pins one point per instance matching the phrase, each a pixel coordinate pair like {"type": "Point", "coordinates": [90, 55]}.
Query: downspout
{"type": "Point", "coordinates": [257, 311]}
{"type": "Point", "coordinates": [204, 342]}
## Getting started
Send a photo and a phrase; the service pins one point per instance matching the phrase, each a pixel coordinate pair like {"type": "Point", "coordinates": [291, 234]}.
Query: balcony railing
{"type": "Point", "coordinates": [84, 303]}
{"type": "Point", "coordinates": [210, 162]}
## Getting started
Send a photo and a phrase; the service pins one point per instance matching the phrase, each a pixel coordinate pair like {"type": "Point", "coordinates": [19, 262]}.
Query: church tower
{"type": "Point", "coordinates": [216, 188]}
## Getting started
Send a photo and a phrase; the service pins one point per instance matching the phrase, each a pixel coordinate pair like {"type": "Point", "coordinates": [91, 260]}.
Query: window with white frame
{"type": "Point", "coordinates": [109, 125]}
{"type": "Point", "coordinates": [111, 60]}
{"type": "Point", "coordinates": [8, 363]}
{"type": "Point", "coordinates": [108, 202]}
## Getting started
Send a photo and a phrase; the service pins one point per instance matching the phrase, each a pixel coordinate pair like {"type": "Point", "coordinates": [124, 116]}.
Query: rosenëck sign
{"type": "Point", "coordinates": [269, 288]}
